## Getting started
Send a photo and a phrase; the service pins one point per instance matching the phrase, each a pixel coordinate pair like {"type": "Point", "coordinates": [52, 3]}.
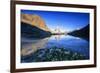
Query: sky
{"type": "Point", "coordinates": [65, 21]}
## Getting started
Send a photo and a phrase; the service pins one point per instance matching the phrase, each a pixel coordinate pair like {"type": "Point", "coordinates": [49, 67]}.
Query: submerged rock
{"type": "Point", "coordinates": [53, 54]}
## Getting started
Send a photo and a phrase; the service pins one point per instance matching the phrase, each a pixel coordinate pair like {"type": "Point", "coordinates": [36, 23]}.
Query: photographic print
{"type": "Point", "coordinates": [52, 36]}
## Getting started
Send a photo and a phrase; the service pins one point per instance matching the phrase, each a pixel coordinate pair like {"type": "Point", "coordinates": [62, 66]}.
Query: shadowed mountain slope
{"type": "Point", "coordinates": [30, 31]}
{"type": "Point", "coordinates": [83, 33]}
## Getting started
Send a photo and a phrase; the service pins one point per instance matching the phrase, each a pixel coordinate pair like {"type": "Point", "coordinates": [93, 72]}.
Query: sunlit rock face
{"type": "Point", "coordinates": [34, 20]}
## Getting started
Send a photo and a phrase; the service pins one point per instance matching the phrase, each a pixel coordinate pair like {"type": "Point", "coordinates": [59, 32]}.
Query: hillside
{"type": "Point", "coordinates": [30, 31]}
{"type": "Point", "coordinates": [34, 20]}
{"type": "Point", "coordinates": [33, 26]}
{"type": "Point", "coordinates": [83, 33]}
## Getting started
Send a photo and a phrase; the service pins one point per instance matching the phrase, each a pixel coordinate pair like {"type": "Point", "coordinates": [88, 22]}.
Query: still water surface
{"type": "Point", "coordinates": [31, 46]}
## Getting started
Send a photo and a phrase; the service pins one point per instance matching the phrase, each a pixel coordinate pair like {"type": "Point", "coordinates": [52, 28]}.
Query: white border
{"type": "Point", "coordinates": [52, 64]}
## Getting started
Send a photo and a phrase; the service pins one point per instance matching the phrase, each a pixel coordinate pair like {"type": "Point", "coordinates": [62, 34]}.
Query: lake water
{"type": "Point", "coordinates": [35, 50]}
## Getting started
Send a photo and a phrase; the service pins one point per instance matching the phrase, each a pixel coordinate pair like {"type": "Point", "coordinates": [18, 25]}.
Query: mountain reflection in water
{"type": "Point", "coordinates": [30, 46]}
{"type": "Point", "coordinates": [54, 48]}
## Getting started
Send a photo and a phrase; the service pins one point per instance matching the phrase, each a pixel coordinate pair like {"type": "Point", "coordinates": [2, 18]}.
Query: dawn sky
{"type": "Point", "coordinates": [66, 21]}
